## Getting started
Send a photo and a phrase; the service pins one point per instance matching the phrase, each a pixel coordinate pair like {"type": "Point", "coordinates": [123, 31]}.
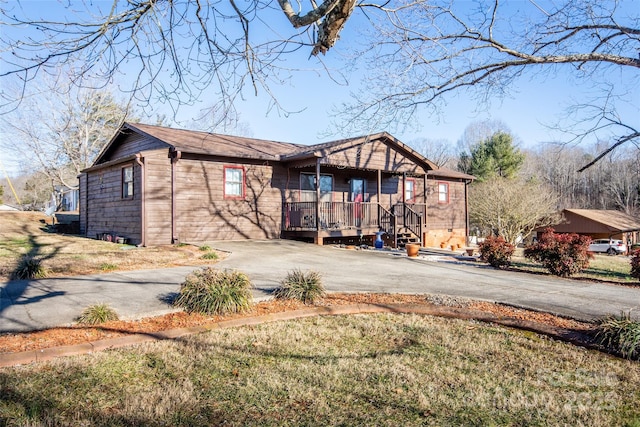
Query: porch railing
{"type": "Point", "coordinates": [350, 215]}
{"type": "Point", "coordinates": [411, 216]}
{"type": "Point", "coordinates": [332, 215]}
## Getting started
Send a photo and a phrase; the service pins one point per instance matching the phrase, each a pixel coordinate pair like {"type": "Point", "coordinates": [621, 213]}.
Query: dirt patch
{"type": "Point", "coordinates": [54, 337]}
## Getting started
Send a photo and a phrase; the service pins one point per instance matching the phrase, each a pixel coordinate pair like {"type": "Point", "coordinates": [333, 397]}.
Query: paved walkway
{"type": "Point", "coordinates": [38, 304]}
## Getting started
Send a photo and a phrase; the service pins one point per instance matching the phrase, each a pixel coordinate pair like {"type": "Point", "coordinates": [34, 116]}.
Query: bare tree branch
{"type": "Point", "coordinates": [432, 49]}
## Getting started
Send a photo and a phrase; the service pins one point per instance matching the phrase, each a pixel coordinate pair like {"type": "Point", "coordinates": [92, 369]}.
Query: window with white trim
{"type": "Point", "coordinates": [443, 192]}
{"type": "Point", "coordinates": [234, 187]}
{"type": "Point", "coordinates": [410, 190]}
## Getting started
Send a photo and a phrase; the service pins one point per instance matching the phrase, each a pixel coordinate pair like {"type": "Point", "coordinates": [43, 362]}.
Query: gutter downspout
{"type": "Point", "coordinates": [143, 216]}
{"type": "Point", "coordinates": [466, 210]}
{"type": "Point", "coordinates": [175, 156]}
{"type": "Point", "coordinates": [86, 204]}
{"type": "Point", "coordinates": [318, 239]}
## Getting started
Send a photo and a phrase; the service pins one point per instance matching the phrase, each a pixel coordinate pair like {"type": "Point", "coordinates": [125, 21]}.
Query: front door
{"type": "Point", "coordinates": [357, 197]}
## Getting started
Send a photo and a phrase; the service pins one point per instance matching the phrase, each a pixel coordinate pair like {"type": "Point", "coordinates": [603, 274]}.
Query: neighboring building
{"type": "Point", "coordinates": [156, 185]}
{"type": "Point", "coordinates": [601, 224]}
{"type": "Point", "coordinates": [69, 198]}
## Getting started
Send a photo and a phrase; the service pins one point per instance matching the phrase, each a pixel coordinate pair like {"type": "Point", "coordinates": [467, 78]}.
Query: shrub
{"type": "Point", "coordinates": [29, 268]}
{"type": "Point", "coordinates": [620, 334]}
{"type": "Point", "coordinates": [212, 291]}
{"type": "Point", "coordinates": [210, 255]}
{"type": "Point", "coordinates": [205, 248]}
{"type": "Point", "coordinates": [496, 251]}
{"type": "Point", "coordinates": [562, 254]}
{"type": "Point", "coordinates": [635, 264]}
{"type": "Point", "coordinates": [96, 314]}
{"type": "Point", "coordinates": [306, 287]}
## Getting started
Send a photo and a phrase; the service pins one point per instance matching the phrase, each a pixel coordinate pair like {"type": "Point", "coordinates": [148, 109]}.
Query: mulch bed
{"type": "Point", "coordinates": [77, 334]}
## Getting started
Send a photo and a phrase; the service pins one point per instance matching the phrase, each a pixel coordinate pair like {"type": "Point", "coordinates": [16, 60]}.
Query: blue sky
{"type": "Point", "coordinates": [532, 105]}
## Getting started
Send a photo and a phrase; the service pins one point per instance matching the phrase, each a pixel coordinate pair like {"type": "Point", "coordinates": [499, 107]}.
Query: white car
{"type": "Point", "coordinates": [608, 246]}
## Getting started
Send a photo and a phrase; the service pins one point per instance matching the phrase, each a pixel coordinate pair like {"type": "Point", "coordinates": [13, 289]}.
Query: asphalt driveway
{"type": "Point", "coordinates": [36, 304]}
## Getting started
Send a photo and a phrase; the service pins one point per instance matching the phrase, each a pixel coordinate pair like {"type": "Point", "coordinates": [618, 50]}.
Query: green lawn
{"type": "Point", "coordinates": [391, 370]}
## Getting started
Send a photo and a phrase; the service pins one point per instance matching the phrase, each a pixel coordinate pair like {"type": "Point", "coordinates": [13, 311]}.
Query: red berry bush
{"type": "Point", "coordinates": [496, 251]}
{"type": "Point", "coordinates": [562, 254]}
{"type": "Point", "coordinates": [635, 264]}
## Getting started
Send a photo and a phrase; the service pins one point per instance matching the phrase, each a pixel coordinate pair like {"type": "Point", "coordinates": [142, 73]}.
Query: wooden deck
{"type": "Point", "coordinates": [349, 219]}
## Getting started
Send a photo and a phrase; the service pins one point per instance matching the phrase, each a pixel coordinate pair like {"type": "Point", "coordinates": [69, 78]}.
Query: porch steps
{"type": "Point", "coordinates": [406, 237]}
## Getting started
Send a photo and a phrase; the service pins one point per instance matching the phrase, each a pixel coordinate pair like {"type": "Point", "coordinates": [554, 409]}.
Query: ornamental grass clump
{"type": "Point", "coordinates": [303, 286]}
{"type": "Point", "coordinates": [562, 254]}
{"type": "Point", "coordinates": [496, 251]}
{"type": "Point", "coordinates": [96, 314]}
{"type": "Point", "coordinates": [29, 268]}
{"type": "Point", "coordinates": [211, 291]}
{"type": "Point", "coordinates": [620, 334]}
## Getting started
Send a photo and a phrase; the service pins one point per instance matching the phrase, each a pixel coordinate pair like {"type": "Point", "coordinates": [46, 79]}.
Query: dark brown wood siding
{"type": "Point", "coordinates": [106, 210]}
{"type": "Point", "coordinates": [133, 143]}
{"type": "Point", "coordinates": [446, 222]}
{"type": "Point", "coordinates": [157, 198]}
{"type": "Point", "coordinates": [82, 196]}
{"type": "Point", "coordinates": [373, 155]}
{"type": "Point", "coordinates": [203, 213]}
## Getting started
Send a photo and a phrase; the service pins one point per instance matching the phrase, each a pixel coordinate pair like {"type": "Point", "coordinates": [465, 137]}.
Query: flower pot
{"type": "Point", "coordinates": [412, 249]}
{"type": "Point", "coordinates": [470, 251]}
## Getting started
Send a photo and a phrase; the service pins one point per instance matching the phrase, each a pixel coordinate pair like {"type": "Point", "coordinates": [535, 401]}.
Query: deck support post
{"type": "Point", "coordinates": [318, 194]}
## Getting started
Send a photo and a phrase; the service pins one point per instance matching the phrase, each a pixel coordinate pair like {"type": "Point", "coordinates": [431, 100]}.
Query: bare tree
{"type": "Point", "coordinates": [418, 51]}
{"type": "Point", "coordinates": [478, 49]}
{"type": "Point", "coordinates": [173, 51]}
{"type": "Point", "coordinates": [60, 132]}
{"type": "Point", "coordinates": [439, 151]}
{"type": "Point", "coordinates": [512, 209]}
{"type": "Point", "coordinates": [611, 183]}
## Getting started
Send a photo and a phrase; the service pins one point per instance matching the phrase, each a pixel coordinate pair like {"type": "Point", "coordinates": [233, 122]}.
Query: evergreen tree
{"type": "Point", "coordinates": [493, 157]}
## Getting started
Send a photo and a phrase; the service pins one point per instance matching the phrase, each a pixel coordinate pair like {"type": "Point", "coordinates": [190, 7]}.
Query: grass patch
{"type": "Point", "coordinates": [601, 267]}
{"type": "Point", "coordinates": [67, 255]}
{"type": "Point", "coordinates": [205, 248]}
{"type": "Point", "coordinates": [382, 369]}
{"type": "Point", "coordinates": [303, 286]}
{"type": "Point", "coordinates": [97, 314]}
{"type": "Point", "coordinates": [211, 291]}
{"type": "Point", "coordinates": [107, 266]}
{"type": "Point", "coordinates": [621, 334]}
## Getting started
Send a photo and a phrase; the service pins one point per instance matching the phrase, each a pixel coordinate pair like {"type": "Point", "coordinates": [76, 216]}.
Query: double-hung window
{"type": "Point", "coordinates": [308, 187]}
{"type": "Point", "coordinates": [410, 190]}
{"type": "Point", "coordinates": [443, 192]}
{"type": "Point", "coordinates": [234, 187]}
{"type": "Point", "coordinates": [127, 182]}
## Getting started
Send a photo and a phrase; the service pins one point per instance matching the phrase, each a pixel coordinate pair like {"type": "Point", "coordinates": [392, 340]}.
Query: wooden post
{"type": "Point", "coordinates": [318, 195]}
{"type": "Point", "coordinates": [379, 189]}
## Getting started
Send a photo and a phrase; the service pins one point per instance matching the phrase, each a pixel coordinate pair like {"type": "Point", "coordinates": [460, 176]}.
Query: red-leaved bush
{"type": "Point", "coordinates": [562, 254]}
{"type": "Point", "coordinates": [496, 251]}
{"type": "Point", "coordinates": [635, 264]}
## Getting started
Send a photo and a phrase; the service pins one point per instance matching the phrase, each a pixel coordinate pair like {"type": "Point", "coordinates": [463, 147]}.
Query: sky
{"type": "Point", "coordinates": [532, 106]}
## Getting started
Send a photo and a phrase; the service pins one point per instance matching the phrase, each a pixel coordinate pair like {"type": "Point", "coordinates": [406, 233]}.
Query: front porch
{"type": "Point", "coordinates": [402, 222]}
